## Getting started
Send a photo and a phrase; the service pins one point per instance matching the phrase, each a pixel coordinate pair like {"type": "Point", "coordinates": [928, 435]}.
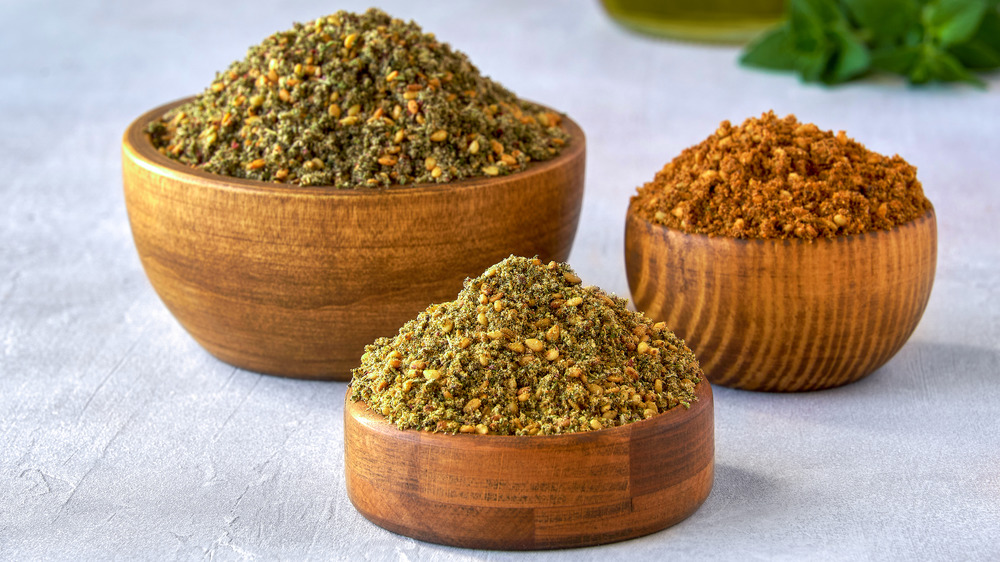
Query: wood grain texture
{"type": "Point", "coordinates": [784, 315]}
{"type": "Point", "coordinates": [296, 281]}
{"type": "Point", "coordinates": [540, 492]}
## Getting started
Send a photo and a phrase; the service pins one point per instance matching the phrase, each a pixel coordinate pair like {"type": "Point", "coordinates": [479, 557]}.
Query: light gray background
{"type": "Point", "coordinates": [121, 438]}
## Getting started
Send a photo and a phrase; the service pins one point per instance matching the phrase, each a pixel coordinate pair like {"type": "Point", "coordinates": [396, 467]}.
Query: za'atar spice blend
{"type": "Point", "coordinates": [778, 178]}
{"type": "Point", "coordinates": [526, 349]}
{"type": "Point", "coordinates": [354, 101]}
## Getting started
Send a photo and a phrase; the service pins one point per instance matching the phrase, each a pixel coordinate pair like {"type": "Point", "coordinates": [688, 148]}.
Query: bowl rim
{"type": "Point", "coordinates": [929, 217]}
{"type": "Point", "coordinates": [677, 415]}
{"type": "Point", "coordinates": [136, 146]}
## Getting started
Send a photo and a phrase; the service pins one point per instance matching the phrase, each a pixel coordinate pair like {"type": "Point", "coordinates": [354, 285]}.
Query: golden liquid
{"type": "Point", "coordinates": [730, 21]}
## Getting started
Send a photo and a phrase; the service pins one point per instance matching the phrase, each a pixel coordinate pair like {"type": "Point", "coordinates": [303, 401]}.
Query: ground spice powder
{"type": "Point", "coordinates": [526, 349]}
{"type": "Point", "coordinates": [778, 178]}
{"type": "Point", "coordinates": [357, 100]}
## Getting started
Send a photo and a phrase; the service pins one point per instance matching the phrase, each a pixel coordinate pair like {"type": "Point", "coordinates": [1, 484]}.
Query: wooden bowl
{"type": "Point", "coordinates": [295, 281]}
{"type": "Point", "coordinates": [784, 315]}
{"type": "Point", "coordinates": [518, 493]}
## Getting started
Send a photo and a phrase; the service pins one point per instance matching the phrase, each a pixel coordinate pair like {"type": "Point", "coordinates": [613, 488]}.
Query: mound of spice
{"type": "Point", "coordinates": [353, 100]}
{"type": "Point", "coordinates": [526, 350]}
{"type": "Point", "coordinates": [777, 178]}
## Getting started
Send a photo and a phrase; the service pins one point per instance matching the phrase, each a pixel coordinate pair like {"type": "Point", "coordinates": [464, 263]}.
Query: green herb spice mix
{"type": "Point", "coordinates": [526, 350]}
{"type": "Point", "coordinates": [352, 101]}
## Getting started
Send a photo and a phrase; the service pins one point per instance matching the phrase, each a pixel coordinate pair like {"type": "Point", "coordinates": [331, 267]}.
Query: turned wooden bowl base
{"type": "Point", "coordinates": [295, 281]}
{"type": "Point", "coordinates": [784, 315]}
{"type": "Point", "coordinates": [537, 492]}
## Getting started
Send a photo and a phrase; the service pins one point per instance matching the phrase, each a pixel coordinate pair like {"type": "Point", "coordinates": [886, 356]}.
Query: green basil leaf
{"type": "Point", "coordinates": [898, 60]}
{"type": "Point", "coordinates": [948, 69]}
{"type": "Point", "coordinates": [820, 10]}
{"type": "Point", "coordinates": [835, 41]}
{"type": "Point", "coordinates": [850, 60]}
{"type": "Point", "coordinates": [812, 66]}
{"type": "Point", "coordinates": [953, 21]}
{"type": "Point", "coordinates": [807, 22]}
{"type": "Point", "coordinates": [982, 51]}
{"type": "Point", "coordinates": [976, 55]}
{"type": "Point", "coordinates": [773, 50]}
{"type": "Point", "coordinates": [813, 29]}
{"type": "Point", "coordinates": [935, 64]}
{"type": "Point", "coordinates": [889, 21]}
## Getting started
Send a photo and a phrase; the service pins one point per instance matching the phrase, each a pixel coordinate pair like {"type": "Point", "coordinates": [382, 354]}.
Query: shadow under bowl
{"type": "Point", "coordinates": [784, 315]}
{"type": "Point", "coordinates": [531, 492]}
{"type": "Point", "coordinates": [295, 281]}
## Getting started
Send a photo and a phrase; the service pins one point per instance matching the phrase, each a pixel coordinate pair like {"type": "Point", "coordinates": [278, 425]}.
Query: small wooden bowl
{"type": "Point", "coordinates": [784, 315]}
{"type": "Point", "coordinates": [295, 281]}
{"type": "Point", "coordinates": [519, 493]}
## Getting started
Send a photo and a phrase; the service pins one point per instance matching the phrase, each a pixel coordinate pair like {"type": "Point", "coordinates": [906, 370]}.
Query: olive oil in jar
{"type": "Point", "coordinates": [728, 21]}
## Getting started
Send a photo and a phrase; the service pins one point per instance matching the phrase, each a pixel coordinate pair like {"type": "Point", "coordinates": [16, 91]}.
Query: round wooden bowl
{"type": "Point", "coordinates": [519, 493]}
{"type": "Point", "coordinates": [784, 315]}
{"type": "Point", "coordinates": [295, 281]}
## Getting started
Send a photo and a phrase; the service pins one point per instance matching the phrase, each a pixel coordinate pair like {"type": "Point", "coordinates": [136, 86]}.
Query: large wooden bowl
{"type": "Point", "coordinates": [517, 493]}
{"type": "Point", "coordinates": [784, 315]}
{"type": "Point", "coordinates": [295, 281]}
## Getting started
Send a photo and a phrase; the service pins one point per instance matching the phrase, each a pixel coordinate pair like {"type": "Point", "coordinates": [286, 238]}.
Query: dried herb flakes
{"type": "Point", "coordinates": [526, 349]}
{"type": "Point", "coordinates": [357, 100]}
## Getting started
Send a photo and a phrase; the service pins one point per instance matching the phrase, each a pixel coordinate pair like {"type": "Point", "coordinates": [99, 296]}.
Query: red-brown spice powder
{"type": "Point", "coordinates": [778, 178]}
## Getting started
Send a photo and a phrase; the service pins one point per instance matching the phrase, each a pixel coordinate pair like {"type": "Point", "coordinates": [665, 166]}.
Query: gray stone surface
{"type": "Point", "coordinates": [121, 438]}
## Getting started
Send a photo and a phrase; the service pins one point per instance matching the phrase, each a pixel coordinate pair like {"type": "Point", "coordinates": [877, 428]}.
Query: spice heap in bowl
{"type": "Point", "coordinates": [528, 368]}
{"type": "Point", "coordinates": [357, 100]}
{"type": "Point", "coordinates": [772, 178]}
{"type": "Point", "coordinates": [790, 258]}
{"type": "Point", "coordinates": [345, 174]}
{"type": "Point", "coordinates": [525, 349]}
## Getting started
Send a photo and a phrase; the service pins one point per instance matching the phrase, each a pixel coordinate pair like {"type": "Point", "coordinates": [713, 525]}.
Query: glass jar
{"type": "Point", "coordinates": [726, 21]}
